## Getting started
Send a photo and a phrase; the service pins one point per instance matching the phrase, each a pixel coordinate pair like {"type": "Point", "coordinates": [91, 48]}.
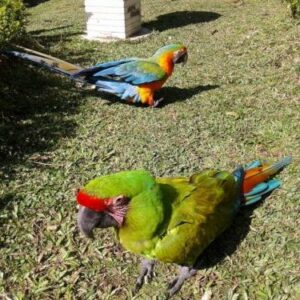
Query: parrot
{"type": "Point", "coordinates": [172, 219]}
{"type": "Point", "coordinates": [133, 80]}
{"type": "Point", "coordinates": [136, 79]}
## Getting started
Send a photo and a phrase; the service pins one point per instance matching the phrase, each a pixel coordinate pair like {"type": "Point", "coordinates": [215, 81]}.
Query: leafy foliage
{"type": "Point", "coordinates": [294, 6]}
{"type": "Point", "coordinates": [12, 19]}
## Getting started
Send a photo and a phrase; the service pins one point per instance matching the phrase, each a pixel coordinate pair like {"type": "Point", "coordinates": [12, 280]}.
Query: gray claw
{"type": "Point", "coordinates": [172, 283]}
{"type": "Point", "coordinates": [175, 285]}
{"type": "Point", "coordinates": [156, 102]}
{"type": "Point", "coordinates": [145, 275]}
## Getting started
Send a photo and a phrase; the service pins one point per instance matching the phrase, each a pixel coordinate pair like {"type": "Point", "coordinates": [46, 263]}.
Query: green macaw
{"type": "Point", "coordinates": [172, 219]}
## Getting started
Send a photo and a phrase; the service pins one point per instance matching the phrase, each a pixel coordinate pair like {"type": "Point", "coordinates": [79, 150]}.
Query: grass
{"type": "Point", "coordinates": [236, 100]}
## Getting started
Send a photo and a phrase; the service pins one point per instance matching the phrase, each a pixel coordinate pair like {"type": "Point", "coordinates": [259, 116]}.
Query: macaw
{"type": "Point", "coordinates": [172, 220]}
{"type": "Point", "coordinates": [134, 80]}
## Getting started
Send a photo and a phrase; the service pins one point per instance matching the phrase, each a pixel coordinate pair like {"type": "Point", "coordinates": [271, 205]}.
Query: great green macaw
{"type": "Point", "coordinates": [172, 219]}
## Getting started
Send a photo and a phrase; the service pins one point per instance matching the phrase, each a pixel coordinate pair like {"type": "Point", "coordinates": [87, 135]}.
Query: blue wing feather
{"type": "Point", "coordinates": [92, 71]}
{"type": "Point", "coordinates": [134, 72]}
{"type": "Point", "coordinates": [121, 77]}
{"type": "Point", "coordinates": [121, 89]}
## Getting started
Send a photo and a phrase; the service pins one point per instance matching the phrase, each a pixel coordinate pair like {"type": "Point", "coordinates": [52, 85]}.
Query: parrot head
{"type": "Point", "coordinates": [100, 212]}
{"type": "Point", "coordinates": [177, 52]}
{"type": "Point", "coordinates": [105, 200]}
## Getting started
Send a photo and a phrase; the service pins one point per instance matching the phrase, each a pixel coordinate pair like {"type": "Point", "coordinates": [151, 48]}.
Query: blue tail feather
{"type": "Point", "coordinates": [264, 188]}
{"type": "Point", "coordinates": [253, 164]}
{"type": "Point", "coordinates": [255, 196]}
{"type": "Point", "coordinates": [252, 201]}
{"type": "Point", "coordinates": [257, 190]}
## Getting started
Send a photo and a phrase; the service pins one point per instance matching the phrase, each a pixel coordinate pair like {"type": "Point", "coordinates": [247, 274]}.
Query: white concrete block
{"type": "Point", "coordinates": [111, 3]}
{"type": "Point", "coordinates": [106, 23]}
{"type": "Point", "coordinates": [114, 18]}
{"type": "Point", "coordinates": [106, 35]}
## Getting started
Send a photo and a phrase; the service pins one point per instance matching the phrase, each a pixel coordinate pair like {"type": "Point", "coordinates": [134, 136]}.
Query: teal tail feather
{"type": "Point", "coordinates": [262, 189]}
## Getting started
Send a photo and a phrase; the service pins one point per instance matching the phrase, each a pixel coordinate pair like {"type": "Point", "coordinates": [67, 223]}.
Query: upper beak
{"type": "Point", "coordinates": [185, 58]}
{"type": "Point", "coordinates": [181, 58]}
{"type": "Point", "coordinates": [87, 220]}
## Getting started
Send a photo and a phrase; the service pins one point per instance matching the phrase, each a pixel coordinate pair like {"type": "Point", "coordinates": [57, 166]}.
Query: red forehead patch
{"type": "Point", "coordinates": [92, 202]}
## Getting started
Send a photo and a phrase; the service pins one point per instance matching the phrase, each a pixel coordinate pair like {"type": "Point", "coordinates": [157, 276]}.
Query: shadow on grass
{"type": "Point", "coordinates": [53, 39]}
{"type": "Point", "coordinates": [32, 3]}
{"type": "Point", "coordinates": [35, 110]}
{"type": "Point", "coordinates": [5, 202]}
{"type": "Point", "coordinates": [36, 33]}
{"type": "Point", "coordinates": [170, 95]}
{"type": "Point", "coordinates": [44, 39]}
{"type": "Point", "coordinates": [175, 94]}
{"type": "Point", "coordinates": [181, 19]}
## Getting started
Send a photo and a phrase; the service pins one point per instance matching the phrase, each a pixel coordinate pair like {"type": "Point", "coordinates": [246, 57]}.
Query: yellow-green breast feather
{"type": "Point", "coordinates": [179, 217]}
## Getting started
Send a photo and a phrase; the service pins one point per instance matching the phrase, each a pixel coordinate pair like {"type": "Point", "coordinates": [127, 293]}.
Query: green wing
{"type": "Point", "coordinates": [203, 208]}
{"type": "Point", "coordinates": [172, 219]}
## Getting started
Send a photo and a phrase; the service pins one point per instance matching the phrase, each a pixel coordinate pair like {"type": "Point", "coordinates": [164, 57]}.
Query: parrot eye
{"type": "Point", "coordinates": [120, 200]}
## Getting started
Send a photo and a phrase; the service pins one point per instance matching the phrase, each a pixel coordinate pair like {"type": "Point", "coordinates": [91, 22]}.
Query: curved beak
{"type": "Point", "coordinates": [87, 220]}
{"type": "Point", "coordinates": [181, 57]}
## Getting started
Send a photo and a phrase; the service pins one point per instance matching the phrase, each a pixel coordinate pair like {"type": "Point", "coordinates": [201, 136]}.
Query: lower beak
{"type": "Point", "coordinates": [87, 220]}
{"type": "Point", "coordinates": [185, 59]}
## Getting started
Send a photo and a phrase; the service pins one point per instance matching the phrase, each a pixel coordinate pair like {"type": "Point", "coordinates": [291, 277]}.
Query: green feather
{"type": "Point", "coordinates": [127, 183]}
{"type": "Point", "coordinates": [203, 208]}
{"type": "Point", "coordinates": [171, 219]}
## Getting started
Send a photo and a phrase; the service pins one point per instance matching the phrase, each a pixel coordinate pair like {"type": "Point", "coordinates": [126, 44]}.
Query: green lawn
{"type": "Point", "coordinates": [237, 99]}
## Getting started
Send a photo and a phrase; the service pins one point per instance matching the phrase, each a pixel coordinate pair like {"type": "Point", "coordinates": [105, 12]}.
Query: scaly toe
{"type": "Point", "coordinates": [172, 283]}
{"type": "Point", "coordinates": [157, 102]}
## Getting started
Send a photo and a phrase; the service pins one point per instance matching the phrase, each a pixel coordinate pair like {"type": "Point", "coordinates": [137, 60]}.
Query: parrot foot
{"type": "Point", "coordinates": [146, 274]}
{"type": "Point", "coordinates": [156, 102]}
{"type": "Point", "coordinates": [176, 284]}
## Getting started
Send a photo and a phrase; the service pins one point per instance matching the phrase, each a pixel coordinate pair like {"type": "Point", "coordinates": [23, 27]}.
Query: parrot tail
{"type": "Point", "coordinates": [258, 181]}
{"type": "Point", "coordinates": [52, 63]}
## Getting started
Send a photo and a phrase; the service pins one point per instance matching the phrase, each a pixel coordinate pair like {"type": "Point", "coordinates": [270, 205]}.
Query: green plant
{"type": "Point", "coordinates": [12, 19]}
{"type": "Point", "coordinates": [294, 6]}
